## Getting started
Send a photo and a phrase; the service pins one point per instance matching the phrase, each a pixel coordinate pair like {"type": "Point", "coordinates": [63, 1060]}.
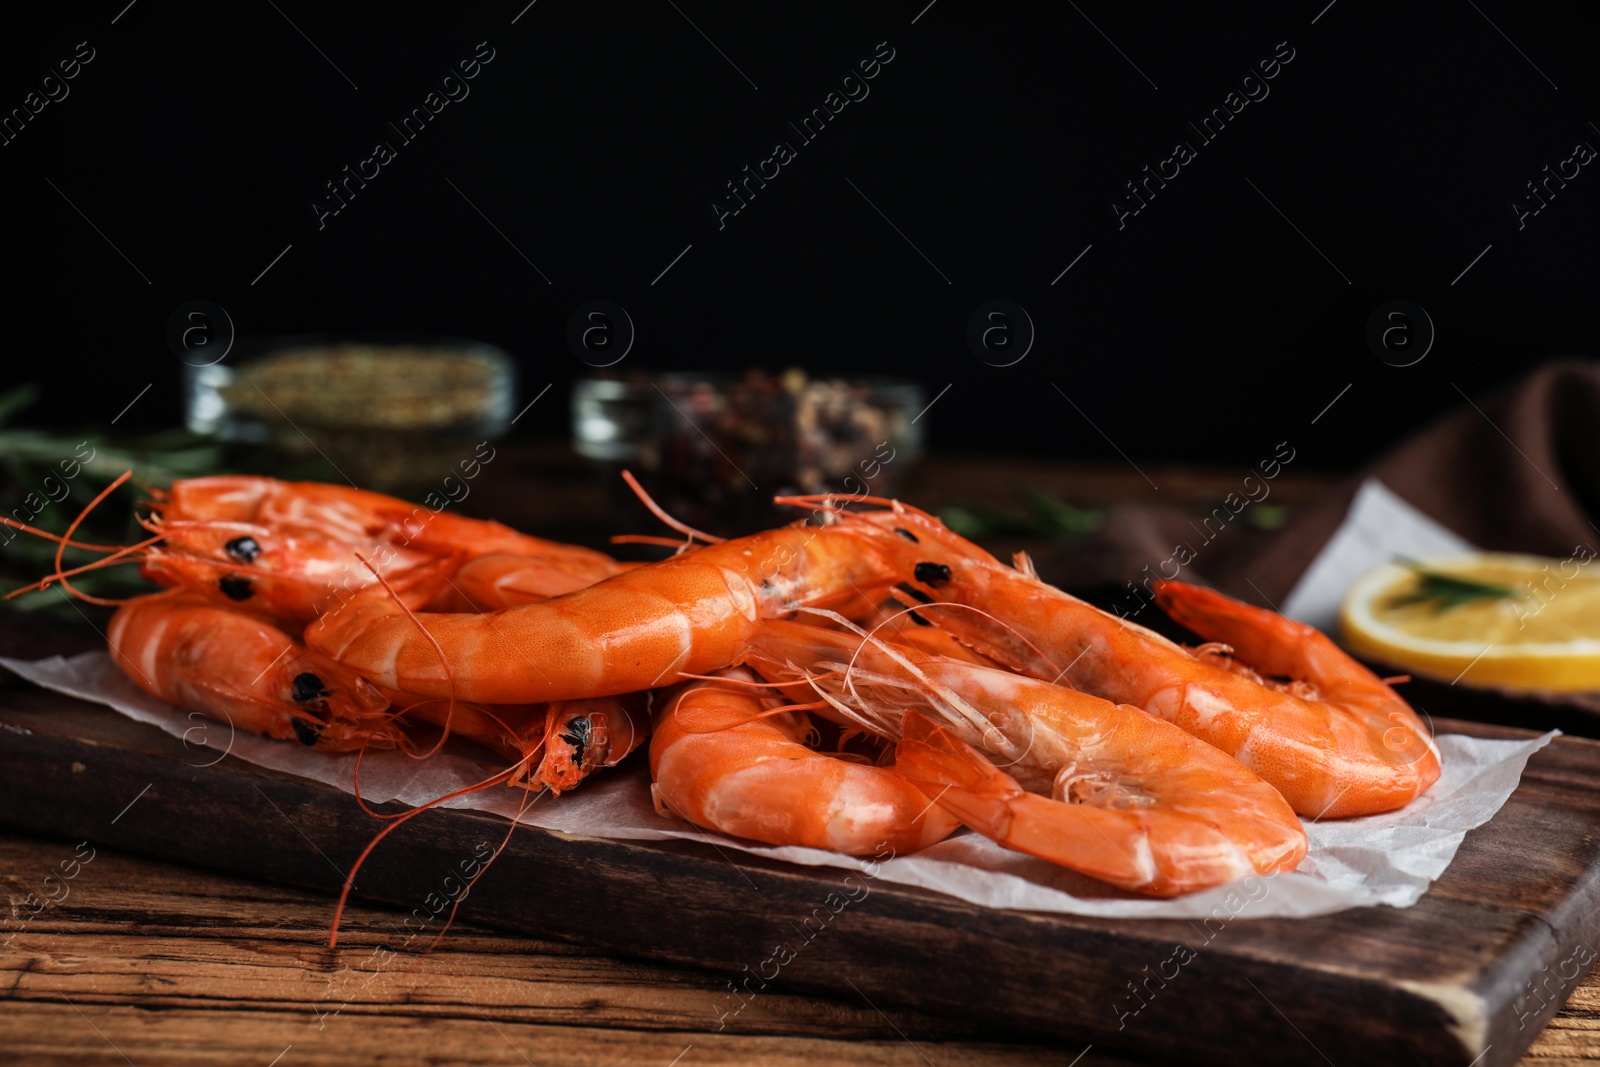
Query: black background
{"type": "Point", "coordinates": [995, 140]}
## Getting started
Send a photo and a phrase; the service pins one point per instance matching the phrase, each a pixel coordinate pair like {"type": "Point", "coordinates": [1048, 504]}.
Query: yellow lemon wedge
{"type": "Point", "coordinates": [1519, 622]}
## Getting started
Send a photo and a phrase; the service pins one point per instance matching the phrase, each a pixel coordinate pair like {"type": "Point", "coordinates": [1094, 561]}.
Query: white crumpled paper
{"type": "Point", "coordinates": [1381, 859]}
{"type": "Point", "coordinates": [1379, 528]}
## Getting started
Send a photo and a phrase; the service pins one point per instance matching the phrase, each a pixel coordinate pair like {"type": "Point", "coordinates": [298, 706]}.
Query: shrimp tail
{"type": "Point", "coordinates": [1156, 850]}
{"type": "Point", "coordinates": [960, 780]}
{"type": "Point", "coordinates": [1272, 643]}
{"type": "Point", "coordinates": [956, 776]}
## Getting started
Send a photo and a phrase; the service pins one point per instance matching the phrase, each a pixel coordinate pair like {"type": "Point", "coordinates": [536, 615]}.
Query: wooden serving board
{"type": "Point", "coordinates": [1468, 976]}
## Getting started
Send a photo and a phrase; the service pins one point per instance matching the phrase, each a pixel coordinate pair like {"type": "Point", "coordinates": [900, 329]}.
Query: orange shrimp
{"type": "Point", "coordinates": [291, 574]}
{"type": "Point", "coordinates": [1379, 756]}
{"type": "Point", "coordinates": [585, 736]}
{"type": "Point", "coordinates": [1143, 804]}
{"type": "Point", "coordinates": [719, 760]}
{"type": "Point", "coordinates": [1160, 822]}
{"type": "Point", "coordinates": [573, 738]}
{"type": "Point", "coordinates": [245, 671]}
{"type": "Point", "coordinates": [361, 516]}
{"type": "Point", "coordinates": [1343, 743]}
{"type": "Point", "coordinates": [642, 628]}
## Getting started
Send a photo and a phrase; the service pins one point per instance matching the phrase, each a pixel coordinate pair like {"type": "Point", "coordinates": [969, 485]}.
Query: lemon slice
{"type": "Point", "coordinates": [1522, 622]}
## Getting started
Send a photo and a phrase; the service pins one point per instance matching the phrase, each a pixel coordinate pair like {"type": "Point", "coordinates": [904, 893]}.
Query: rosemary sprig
{"type": "Point", "coordinates": [47, 477]}
{"type": "Point", "coordinates": [1446, 591]}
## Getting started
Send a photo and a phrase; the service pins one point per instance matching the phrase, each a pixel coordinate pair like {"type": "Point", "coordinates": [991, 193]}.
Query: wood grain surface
{"type": "Point", "coordinates": [173, 964]}
{"type": "Point", "coordinates": [1445, 981]}
{"type": "Point", "coordinates": [170, 964]}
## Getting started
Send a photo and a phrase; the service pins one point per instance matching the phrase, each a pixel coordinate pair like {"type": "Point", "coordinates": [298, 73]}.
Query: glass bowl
{"type": "Point", "coordinates": [714, 449]}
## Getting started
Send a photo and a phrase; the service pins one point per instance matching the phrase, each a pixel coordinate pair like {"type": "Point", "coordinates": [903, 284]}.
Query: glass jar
{"type": "Point", "coordinates": [714, 450]}
{"type": "Point", "coordinates": [384, 412]}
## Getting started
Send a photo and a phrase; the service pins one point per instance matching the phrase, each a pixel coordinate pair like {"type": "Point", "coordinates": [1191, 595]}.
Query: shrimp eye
{"type": "Point", "coordinates": [308, 686]}
{"type": "Point", "coordinates": [932, 573]}
{"type": "Point", "coordinates": [305, 731]}
{"type": "Point", "coordinates": [243, 549]}
{"type": "Point", "coordinates": [577, 736]}
{"type": "Point", "coordinates": [235, 587]}
{"type": "Point", "coordinates": [907, 534]}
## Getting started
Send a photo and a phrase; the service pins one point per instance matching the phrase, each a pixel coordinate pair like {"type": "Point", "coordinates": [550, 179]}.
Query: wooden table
{"type": "Point", "coordinates": [152, 963]}
{"type": "Point", "coordinates": [149, 962]}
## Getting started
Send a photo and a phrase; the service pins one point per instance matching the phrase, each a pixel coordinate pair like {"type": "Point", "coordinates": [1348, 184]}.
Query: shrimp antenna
{"type": "Point", "coordinates": [770, 713]}
{"type": "Point", "coordinates": [975, 718]}
{"type": "Point", "coordinates": [119, 556]}
{"type": "Point", "coordinates": [403, 743]}
{"type": "Point", "coordinates": [649, 539]}
{"type": "Point", "coordinates": [48, 536]}
{"type": "Point", "coordinates": [659, 512]}
{"type": "Point", "coordinates": [504, 841]}
{"type": "Point", "coordinates": [350, 879]}
{"type": "Point", "coordinates": [61, 546]}
{"type": "Point", "coordinates": [450, 676]}
{"type": "Point", "coordinates": [1000, 622]}
{"type": "Point", "coordinates": [355, 776]}
{"type": "Point", "coordinates": [867, 637]}
{"type": "Point", "coordinates": [826, 502]}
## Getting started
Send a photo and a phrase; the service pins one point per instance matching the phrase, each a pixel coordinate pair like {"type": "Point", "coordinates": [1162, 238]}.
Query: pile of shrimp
{"type": "Point", "coordinates": [863, 677]}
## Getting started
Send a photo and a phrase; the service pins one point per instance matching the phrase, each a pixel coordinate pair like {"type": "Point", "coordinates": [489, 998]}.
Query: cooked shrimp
{"type": "Point", "coordinates": [361, 516]}
{"type": "Point", "coordinates": [1341, 744]}
{"type": "Point", "coordinates": [245, 671]}
{"type": "Point", "coordinates": [291, 574]}
{"type": "Point", "coordinates": [642, 628]}
{"type": "Point", "coordinates": [719, 761]}
{"type": "Point", "coordinates": [585, 736]}
{"type": "Point", "coordinates": [571, 738]}
{"type": "Point", "coordinates": [1379, 755]}
{"type": "Point", "coordinates": [1177, 814]}
{"type": "Point", "coordinates": [1154, 822]}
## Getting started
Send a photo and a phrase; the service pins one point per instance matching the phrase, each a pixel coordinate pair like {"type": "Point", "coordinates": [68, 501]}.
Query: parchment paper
{"type": "Point", "coordinates": [1381, 859]}
{"type": "Point", "coordinates": [1379, 528]}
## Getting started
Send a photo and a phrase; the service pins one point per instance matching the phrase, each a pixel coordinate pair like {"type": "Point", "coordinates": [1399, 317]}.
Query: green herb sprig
{"type": "Point", "coordinates": [1446, 591]}
{"type": "Point", "coordinates": [36, 464]}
